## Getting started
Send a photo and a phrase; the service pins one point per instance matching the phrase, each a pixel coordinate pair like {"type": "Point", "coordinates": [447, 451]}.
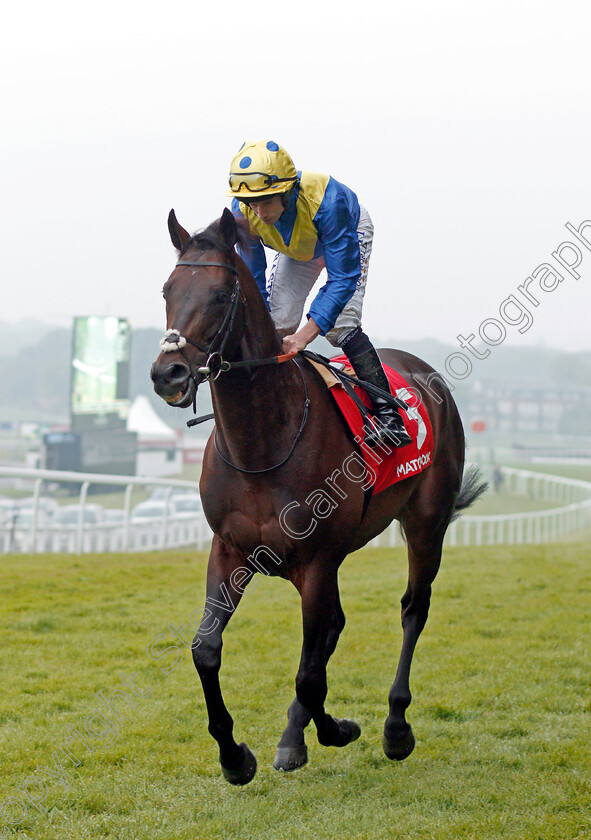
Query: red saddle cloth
{"type": "Point", "coordinates": [389, 468]}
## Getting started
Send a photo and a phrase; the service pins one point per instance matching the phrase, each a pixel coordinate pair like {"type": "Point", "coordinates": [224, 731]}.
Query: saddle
{"type": "Point", "coordinates": [385, 464]}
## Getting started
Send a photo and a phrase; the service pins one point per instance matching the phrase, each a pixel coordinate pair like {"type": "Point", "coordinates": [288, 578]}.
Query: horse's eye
{"type": "Point", "coordinates": [221, 297]}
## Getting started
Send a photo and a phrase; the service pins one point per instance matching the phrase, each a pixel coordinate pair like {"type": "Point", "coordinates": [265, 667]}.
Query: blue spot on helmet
{"type": "Point", "coordinates": [272, 146]}
{"type": "Point", "coordinates": [245, 162]}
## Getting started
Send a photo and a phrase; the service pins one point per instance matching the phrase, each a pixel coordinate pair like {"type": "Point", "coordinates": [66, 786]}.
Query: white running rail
{"type": "Point", "coordinates": [542, 526]}
{"type": "Point", "coordinates": [557, 523]}
{"type": "Point", "coordinates": [168, 532]}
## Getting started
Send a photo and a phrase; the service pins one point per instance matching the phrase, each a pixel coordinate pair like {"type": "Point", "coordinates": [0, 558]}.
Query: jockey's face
{"type": "Point", "coordinates": [268, 209]}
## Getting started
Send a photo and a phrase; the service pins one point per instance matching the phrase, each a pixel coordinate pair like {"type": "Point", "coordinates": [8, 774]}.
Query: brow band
{"type": "Point", "coordinates": [217, 264]}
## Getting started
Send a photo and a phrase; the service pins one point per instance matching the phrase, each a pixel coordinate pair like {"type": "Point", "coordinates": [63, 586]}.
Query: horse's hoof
{"type": "Point", "coordinates": [290, 758]}
{"type": "Point", "coordinates": [348, 731]}
{"type": "Point", "coordinates": [397, 749]}
{"type": "Point", "coordinates": [244, 772]}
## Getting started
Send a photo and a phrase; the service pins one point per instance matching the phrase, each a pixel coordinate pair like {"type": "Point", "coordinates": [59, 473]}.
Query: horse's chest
{"type": "Point", "coordinates": [256, 534]}
{"type": "Point", "coordinates": [247, 534]}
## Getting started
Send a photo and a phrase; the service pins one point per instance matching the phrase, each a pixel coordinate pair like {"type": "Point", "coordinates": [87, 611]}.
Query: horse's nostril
{"type": "Point", "coordinates": [171, 374]}
{"type": "Point", "coordinates": [177, 372]}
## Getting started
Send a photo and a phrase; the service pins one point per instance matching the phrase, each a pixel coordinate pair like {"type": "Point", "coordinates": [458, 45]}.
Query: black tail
{"type": "Point", "coordinates": [473, 486]}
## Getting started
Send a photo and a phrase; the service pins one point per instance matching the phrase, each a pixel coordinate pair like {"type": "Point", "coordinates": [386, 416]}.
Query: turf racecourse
{"type": "Point", "coordinates": [500, 710]}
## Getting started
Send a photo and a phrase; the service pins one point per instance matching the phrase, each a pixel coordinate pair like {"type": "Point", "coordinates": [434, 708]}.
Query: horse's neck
{"type": "Point", "coordinates": [257, 409]}
{"type": "Point", "coordinates": [260, 339]}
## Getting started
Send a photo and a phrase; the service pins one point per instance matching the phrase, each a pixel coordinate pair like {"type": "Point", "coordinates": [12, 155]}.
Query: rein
{"type": "Point", "coordinates": [303, 422]}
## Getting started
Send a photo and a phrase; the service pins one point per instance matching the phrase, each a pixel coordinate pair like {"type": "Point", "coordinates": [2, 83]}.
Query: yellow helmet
{"type": "Point", "coordinates": [260, 169]}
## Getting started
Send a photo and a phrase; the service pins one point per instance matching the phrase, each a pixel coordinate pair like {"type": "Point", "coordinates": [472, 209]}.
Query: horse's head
{"type": "Point", "coordinates": [203, 309]}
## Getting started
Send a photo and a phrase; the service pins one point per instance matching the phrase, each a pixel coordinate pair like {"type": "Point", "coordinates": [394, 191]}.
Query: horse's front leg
{"type": "Point", "coordinates": [226, 578]}
{"type": "Point", "coordinates": [318, 588]}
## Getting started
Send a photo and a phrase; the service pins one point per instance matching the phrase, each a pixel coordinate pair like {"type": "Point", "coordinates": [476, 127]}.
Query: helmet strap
{"type": "Point", "coordinates": [285, 197]}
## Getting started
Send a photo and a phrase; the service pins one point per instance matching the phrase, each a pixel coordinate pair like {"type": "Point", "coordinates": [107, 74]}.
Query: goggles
{"type": "Point", "coordinates": [255, 181]}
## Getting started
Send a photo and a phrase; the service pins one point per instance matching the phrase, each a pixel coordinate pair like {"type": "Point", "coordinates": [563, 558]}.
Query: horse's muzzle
{"type": "Point", "coordinates": [173, 382]}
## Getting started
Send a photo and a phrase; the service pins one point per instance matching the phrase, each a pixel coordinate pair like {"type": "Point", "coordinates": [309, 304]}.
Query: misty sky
{"type": "Point", "coordinates": [463, 127]}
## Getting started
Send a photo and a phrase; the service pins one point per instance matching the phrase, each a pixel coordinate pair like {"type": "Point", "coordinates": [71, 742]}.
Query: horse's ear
{"type": "Point", "coordinates": [178, 234]}
{"type": "Point", "coordinates": [227, 228]}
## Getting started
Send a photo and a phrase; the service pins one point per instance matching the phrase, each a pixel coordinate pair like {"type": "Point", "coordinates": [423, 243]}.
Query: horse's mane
{"type": "Point", "coordinates": [209, 239]}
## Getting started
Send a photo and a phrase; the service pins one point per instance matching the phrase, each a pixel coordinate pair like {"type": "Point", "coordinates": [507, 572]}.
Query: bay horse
{"type": "Point", "coordinates": [278, 448]}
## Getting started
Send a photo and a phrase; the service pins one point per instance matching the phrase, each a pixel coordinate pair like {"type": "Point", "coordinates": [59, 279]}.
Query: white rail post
{"type": "Point", "coordinates": [35, 515]}
{"type": "Point", "coordinates": [126, 522]}
{"type": "Point", "coordinates": [163, 533]}
{"type": "Point", "coordinates": [80, 526]}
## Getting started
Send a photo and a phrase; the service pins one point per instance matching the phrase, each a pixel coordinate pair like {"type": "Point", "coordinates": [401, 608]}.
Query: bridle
{"type": "Point", "coordinates": [215, 365]}
{"type": "Point", "coordinates": [173, 341]}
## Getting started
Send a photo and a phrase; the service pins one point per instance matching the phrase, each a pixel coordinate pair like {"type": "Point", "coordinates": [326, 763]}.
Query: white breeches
{"type": "Point", "coordinates": [291, 281]}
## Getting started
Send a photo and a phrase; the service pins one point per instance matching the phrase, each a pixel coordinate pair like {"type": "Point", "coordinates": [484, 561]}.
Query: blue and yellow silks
{"type": "Point", "coordinates": [320, 220]}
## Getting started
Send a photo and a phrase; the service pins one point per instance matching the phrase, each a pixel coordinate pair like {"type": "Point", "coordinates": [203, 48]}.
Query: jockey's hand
{"type": "Point", "coordinates": [300, 340]}
{"type": "Point", "coordinates": [293, 344]}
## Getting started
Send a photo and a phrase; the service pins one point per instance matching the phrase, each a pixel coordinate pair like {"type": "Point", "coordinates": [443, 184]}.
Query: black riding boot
{"type": "Point", "coordinates": [366, 363]}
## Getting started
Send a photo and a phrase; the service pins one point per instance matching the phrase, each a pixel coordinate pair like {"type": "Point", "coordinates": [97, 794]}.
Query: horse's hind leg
{"type": "Point", "coordinates": [318, 588]}
{"type": "Point", "coordinates": [291, 750]}
{"type": "Point", "coordinates": [424, 556]}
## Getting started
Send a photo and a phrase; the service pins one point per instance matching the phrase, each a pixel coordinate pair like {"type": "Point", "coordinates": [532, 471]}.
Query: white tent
{"type": "Point", "coordinates": [158, 447]}
{"type": "Point", "coordinates": [149, 427]}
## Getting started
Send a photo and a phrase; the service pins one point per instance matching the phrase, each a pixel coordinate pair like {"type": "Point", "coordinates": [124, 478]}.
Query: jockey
{"type": "Point", "coordinates": [312, 222]}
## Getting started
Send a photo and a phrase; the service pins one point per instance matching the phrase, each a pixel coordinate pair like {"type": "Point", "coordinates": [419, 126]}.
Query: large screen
{"type": "Point", "coordinates": [100, 373]}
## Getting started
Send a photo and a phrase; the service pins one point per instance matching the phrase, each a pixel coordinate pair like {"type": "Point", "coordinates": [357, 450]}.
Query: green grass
{"type": "Point", "coordinates": [505, 502]}
{"type": "Point", "coordinates": [500, 710]}
{"type": "Point", "coordinates": [492, 504]}
{"type": "Point", "coordinates": [582, 472]}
